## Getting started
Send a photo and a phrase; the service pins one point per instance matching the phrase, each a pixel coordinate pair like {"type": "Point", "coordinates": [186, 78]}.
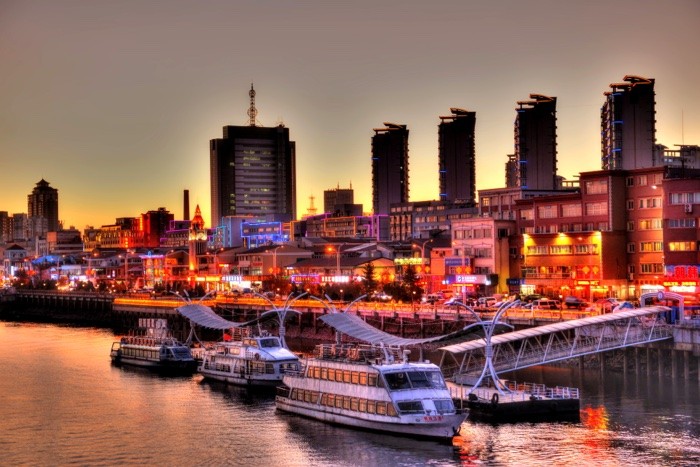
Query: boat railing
{"type": "Point", "coordinates": [355, 352]}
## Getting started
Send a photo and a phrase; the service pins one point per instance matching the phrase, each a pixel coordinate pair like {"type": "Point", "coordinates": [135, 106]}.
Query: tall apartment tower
{"type": "Point", "coordinates": [253, 171]}
{"type": "Point", "coordinates": [628, 125]}
{"type": "Point", "coordinates": [42, 203]}
{"type": "Point", "coordinates": [456, 156]}
{"type": "Point", "coordinates": [536, 143]}
{"type": "Point", "coordinates": [389, 167]}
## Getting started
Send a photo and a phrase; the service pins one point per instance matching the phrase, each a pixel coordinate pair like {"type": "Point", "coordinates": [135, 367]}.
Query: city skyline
{"type": "Point", "coordinates": [115, 104]}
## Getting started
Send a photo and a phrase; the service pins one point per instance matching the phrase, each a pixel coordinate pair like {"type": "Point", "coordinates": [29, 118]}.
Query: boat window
{"type": "Point", "coordinates": [397, 381]}
{"type": "Point", "coordinates": [324, 373]}
{"type": "Point", "coordinates": [331, 374]}
{"type": "Point", "coordinates": [347, 377]}
{"type": "Point", "coordinates": [381, 408]}
{"type": "Point", "coordinates": [371, 407]}
{"type": "Point", "coordinates": [419, 379]}
{"type": "Point", "coordinates": [444, 405]}
{"type": "Point", "coordinates": [339, 376]}
{"type": "Point", "coordinates": [363, 405]}
{"type": "Point", "coordinates": [372, 379]}
{"type": "Point", "coordinates": [355, 376]}
{"type": "Point", "coordinates": [354, 404]}
{"type": "Point", "coordinates": [363, 379]}
{"type": "Point", "coordinates": [269, 342]}
{"type": "Point", "coordinates": [436, 379]}
{"type": "Point", "coordinates": [410, 407]}
{"type": "Point", "coordinates": [391, 410]}
{"type": "Point", "coordinates": [317, 372]}
{"type": "Point", "coordinates": [250, 342]}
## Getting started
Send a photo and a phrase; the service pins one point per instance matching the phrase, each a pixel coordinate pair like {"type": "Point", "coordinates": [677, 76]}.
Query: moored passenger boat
{"type": "Point", "coordinates": [152, 346]}
{"type": "Point", "coordinates": [163, 354]}
{"type": "Point", "coordinates": [370, 387]}
{"type": "Point", "coordinates": [249, 361]}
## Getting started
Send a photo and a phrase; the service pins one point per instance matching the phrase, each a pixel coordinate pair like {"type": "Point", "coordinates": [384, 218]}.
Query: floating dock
{"type": "Point", "coordinates": [524, 402]}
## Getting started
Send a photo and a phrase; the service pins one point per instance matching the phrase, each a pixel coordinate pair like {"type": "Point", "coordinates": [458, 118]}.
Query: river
{"type": "Point", "coordinates": [63, 403]}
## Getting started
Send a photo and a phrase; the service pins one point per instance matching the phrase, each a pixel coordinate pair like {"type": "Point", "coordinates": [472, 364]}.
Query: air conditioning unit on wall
{"type": "Point", "coordinates": [689, 208]}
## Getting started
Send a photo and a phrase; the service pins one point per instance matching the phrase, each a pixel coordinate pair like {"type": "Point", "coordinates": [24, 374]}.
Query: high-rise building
{"type": "Point", "coordinates": [389, 167]}
{"type": "Point", "coordinates": [42, 202]}
{"type": "Point", "coordinates": [536, 143]}
{"type": "Point", "coordinates": [154, 225]}
{"type": "Point", "coordinates": [337, 196]}
{"type": "Point", "coordinates": [456, 156]}
{"type": "Point", "coordinates": [628, 125]}
{"type": "Point", "coordinates": [253, 171]}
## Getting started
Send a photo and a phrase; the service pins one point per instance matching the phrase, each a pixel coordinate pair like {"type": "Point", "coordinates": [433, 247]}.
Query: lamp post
{"type": "Point", "coordinates": [422, 255]}
{"type": "Point", "coordinates": [274, 259]}
{"type": "Point", "coordinates": [337, 257]}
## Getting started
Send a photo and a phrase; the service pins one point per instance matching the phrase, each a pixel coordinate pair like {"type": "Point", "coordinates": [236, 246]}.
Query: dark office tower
{"type": "Point", "coordinates": [511, 172]}
{"type": "Point", "coordinates": [337, 196]}
{"type": "Point", "coordinates": [389, 167]}
{"type": "Point", "coordinates": [628, 125]}
{"type": "Point", "coordinates": [253, 171]}
{"type": "Point", "coordinates": [457, 170]}
{"type": "Point", "coordinates": [536, 143]}
{"type": "Point", "coordinates": [43, 203]}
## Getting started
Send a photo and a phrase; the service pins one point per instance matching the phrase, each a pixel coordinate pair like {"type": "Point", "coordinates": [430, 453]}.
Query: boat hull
{"type": "Point", "coordinates": [238, 380]}
{"type": "Point", "coordinates": [443, 427]}
{"type": "Point", "coordinates": [175, 367]}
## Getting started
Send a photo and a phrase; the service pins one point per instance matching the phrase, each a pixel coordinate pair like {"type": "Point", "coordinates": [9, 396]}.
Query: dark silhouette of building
{"type": "Point", "coordinates": [456, 156]}
{"type": "Point", "coordinates": [536, 143]}
{"type": "Point", "coordinates": [628, 125]}
{"type": "Point", "coordinates": [42, 203]}
{"type": "Point", "coordinates": [341, 201]}
{"type": "Point", "coordinates": [389, 167]}
{"type": "Point", "coordinates": [253, 171]}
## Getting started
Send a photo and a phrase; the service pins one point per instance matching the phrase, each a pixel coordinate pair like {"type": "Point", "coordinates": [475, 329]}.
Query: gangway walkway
{"type": "Point", "coordinates": [463, 363]}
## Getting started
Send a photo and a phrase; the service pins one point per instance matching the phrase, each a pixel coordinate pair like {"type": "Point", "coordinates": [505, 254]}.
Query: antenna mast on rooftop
{"type": "Point", "coordinates": [252, 111]}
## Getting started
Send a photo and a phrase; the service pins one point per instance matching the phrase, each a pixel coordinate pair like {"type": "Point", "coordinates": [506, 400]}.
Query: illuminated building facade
{"type": "Point", "coordinates": [42, 203]}
{"type": "Point", "coordinates": [252, 170]}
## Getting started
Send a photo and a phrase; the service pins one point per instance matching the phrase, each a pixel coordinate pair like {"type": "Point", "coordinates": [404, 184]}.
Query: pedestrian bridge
{"type": "Point", "coordinates": [464, 362]}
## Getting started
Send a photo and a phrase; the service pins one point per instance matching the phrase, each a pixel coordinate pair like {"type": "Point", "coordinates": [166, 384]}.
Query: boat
{"type": "Point", "coordinates": [248, 360]}
{"type": "Point", "coordinates": [373, 388]}
{"type": "Point", "coordinates": [152, 346]}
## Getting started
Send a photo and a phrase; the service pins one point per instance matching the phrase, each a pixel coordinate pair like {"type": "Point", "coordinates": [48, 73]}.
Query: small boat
{"type": "Point", "coordinates": [248, 360]}
{"type": "Point", "coordinates": [374, 388]}
{"type": "Point", "coordinates": [154, 348]}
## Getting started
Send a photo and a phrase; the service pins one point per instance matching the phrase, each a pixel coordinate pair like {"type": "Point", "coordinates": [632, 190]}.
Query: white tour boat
{"type": "Point", "coordinates": [249, 361]}
{"type": "Point", "coordinates": [163, 354]}
{"type": "Point", "coordinates": [371, 387]}
{"type": "Point", "coordinates": [154, 348]}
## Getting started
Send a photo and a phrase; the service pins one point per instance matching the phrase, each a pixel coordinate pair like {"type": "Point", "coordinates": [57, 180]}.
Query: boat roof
{"type": "Point", "coordinates": [206, 317]}
{"type": "Point", "coordinates": [356, 327]}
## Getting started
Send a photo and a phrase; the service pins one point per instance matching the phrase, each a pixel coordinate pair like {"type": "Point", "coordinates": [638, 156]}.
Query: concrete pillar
{"type": "Point", "coordinates": [686, 365]}
{"type": "Point", "coordinates": [674, 364]}
{"type": "Point", "coordinates": [660, 363]}
{"type": "Point", "coordinates": [648, 350]}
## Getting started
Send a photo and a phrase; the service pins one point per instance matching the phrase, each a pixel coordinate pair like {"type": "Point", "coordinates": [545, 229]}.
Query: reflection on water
{"type": "Point", "coordinates": [63, 402]}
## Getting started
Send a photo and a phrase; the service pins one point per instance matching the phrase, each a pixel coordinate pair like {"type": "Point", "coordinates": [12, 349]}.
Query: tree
{"type": "Point", "coordinates": [370, 283]}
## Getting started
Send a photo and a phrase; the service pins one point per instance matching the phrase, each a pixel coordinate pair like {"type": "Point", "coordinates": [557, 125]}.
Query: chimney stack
{"type": "Point", "coordinates": [186, 205]}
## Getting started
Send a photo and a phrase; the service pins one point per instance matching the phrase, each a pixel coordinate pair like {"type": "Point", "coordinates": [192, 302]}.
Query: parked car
{"type": "Point", "coordinates": [546, 304]}
{"type": "Point", "coordinates": [606, 305]}
{"type": "Point", "coordinates": [574, 302]}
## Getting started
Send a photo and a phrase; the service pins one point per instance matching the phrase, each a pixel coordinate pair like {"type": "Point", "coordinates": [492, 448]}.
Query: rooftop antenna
{"type": "Point", "coordinates": [252, 111]}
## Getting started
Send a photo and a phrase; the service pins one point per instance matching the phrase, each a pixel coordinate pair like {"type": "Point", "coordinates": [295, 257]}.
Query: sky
{"type": "Point", "coordinates": [114, 103]}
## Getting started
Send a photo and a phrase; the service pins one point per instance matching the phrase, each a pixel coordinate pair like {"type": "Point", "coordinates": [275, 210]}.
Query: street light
{"type": "Point", "coordinates": [274, 259]}
{"type": "Point", "coordinates": [422, 259]}
{"type": "Point", "coordinates": [337, 257]}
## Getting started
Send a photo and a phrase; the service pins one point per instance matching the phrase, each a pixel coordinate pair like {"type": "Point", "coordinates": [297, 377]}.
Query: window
{"type": "Point", "coordinates": [630, 247]}
{"type": "Point", "coordinates": [571, 210]}
{"type": "Point", "coordinates": [596, 209]}
{"type": "Point", "coordinates": [629, 181]}
{"type": "Point", "coordinates": [682, 246]}
{"type": "Point", "coordinates": [630, 204]}
{"type": "Point", "coordinates": [648, 203]}
{"type": "Point", "coordinates": [651, 268]}
{"type": "Point", "coordinates": [630, 226]}
{"type": "Point", "coordinates": [547, 212]}
{"type": "Point", "coordinates": [642, 180]}
{"type": "Point", "coordinates": [585, 249]}
{"type": "Point", "coordinates": [527, 214]}
{"type": "Point", "coordinates": [560, 249]}
{"type": "Point", "coordinates": [681, 223]}
{"type": "Point", "coordinates": [650, 224]}
{"type": "Point", "coordinates": [596, 187]}
{"type": "Point", "coordinates": [651, 246]}
{"type": "Point", "coordinates": [537, 250]}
